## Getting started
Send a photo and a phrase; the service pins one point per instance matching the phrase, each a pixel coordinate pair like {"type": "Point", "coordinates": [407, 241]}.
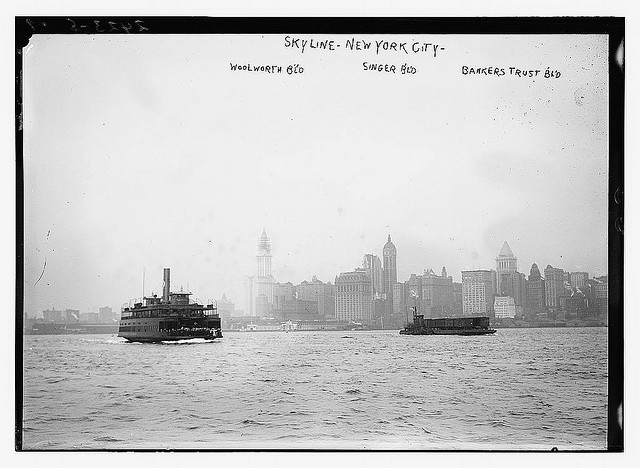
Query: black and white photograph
{"type": "Point", "coordinates": [327, 235]}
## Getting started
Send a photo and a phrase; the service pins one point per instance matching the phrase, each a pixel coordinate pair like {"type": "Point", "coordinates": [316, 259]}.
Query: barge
{"type": "Point", "coordinates": [467, 326]}
{"type": "Point", "coordinates": [172, 317]}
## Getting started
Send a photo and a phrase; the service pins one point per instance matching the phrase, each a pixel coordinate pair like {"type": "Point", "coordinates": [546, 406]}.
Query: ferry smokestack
{"type": "Point", "coordinates": [165, 290]}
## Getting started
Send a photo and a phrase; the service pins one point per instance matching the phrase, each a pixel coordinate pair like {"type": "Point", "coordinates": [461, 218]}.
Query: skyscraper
{"type": "Point", "coordinates": [535, 291]}
{"type": "Point", "coordinates": [478, 292]}
{"type": "Point", "coordinates": [578, 278]}
{"type": "Point", "coordinates": [353, 296]}
{"type": "Point", "coordinates": [390, 273]}
{"type": "Point", "coordinates": [553, 287]}
{"type": "Point", "coordinates": [264, 256]}
{"type": "Point", "coordinates": [259, 289]}
{"type": "Point", "coordinates": [226, 309]}
{"type": "Point", "coordinates": [398, 314]}
{"type": "Point", "coordinates": [506, 261]}
{"type": "Point", "coordinates": [437, 293]}
{"type": "Point", "coordinates": [321, 293]}
{"type": "Point", "coordinates": [509, 281]}
{"type": "Point", "coordinates": [371, 263]}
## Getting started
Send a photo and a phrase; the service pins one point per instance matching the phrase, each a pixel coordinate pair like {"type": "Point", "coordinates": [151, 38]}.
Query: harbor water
{"type": "Point", "coordinates": [520, 389]}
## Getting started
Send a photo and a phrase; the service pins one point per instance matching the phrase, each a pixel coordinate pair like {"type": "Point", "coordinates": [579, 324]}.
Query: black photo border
{"type": "Point", "coordinates": [614, 27]}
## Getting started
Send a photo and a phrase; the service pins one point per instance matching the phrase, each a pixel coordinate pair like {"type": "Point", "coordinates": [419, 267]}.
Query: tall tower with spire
{"type": "Point", "coordinates": [390, 272]}
{"type": "Point", "coordinates": [264, 256]}
{"type": "Point", "coordinates": [259, 288]}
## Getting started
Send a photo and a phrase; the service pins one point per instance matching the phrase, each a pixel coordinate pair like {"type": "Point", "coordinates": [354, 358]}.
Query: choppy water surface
{"type": "Point", "coordinates": [517, 389]}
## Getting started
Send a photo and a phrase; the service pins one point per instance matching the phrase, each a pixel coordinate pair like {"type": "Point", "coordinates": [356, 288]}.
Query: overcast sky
{"type": "Point", "coordinates": [148, 151]}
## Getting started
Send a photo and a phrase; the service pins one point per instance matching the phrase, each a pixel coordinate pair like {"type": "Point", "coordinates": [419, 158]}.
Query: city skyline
{"type": "Point", "coordinates": [264, 271]}
{"type": "Point", "coordinates": [329, 161]}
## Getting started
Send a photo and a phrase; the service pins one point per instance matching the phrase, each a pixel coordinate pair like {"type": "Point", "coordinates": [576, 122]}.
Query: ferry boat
{"type": "Point", "coordinates": [171, 317]}
{"type": "Point", "coordinates": [447, 326]}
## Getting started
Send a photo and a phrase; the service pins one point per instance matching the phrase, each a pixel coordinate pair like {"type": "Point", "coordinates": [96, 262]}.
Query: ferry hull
{"type": "Point", "coordinates": [448, 332]}
{"type": "Point", "coordinates": [160, 339]}
{"type": "Point", "coordinates": [155, 335]}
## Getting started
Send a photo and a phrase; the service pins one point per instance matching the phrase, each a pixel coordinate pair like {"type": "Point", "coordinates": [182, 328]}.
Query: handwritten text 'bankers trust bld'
{"type": "Point", "coordinates": [379, 46]}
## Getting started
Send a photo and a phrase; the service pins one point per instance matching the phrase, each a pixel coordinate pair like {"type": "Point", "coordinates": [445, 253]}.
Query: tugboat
{"type": "Point", "coordinates": [447, 326]}
{"type": "Point", "coordinates": [169, 318]}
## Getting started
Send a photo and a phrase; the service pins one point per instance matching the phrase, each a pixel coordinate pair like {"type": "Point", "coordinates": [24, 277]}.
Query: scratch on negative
{"type": "Point", "coordinates": [43, 268]}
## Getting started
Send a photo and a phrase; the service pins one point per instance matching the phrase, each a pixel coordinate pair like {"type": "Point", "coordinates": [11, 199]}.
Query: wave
{"type": "Point", "coordinates": [252, 422]}
{"type": "Point", "coordinates": [55, 380]}
{"type": "Point", "coordinates": [240, 399]}
{"type": "Point", "coordinates": [192, 341]}
{"type": "Point", "coordinates": [107, 439]}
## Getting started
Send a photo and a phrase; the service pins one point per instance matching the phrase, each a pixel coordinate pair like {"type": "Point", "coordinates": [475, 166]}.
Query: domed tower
{"type": "Point", "coordinates": [390, 274]}
{"type": "Point", "coordinates": [534, 273]}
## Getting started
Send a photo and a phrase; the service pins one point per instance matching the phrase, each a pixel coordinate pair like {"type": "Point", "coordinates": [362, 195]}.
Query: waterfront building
{"type": "Point", "coordinates": [504, 307]}
{"type": "Point", "coordinates": [602, 287]}
{"type": "Point", "coordinates": [380, 317]}
{"type": "Point", "coordinates": [249, 296]}
{"type": "Point", "coordinates": [310, 300]}
{"type": "Point", "coordinates": [437, 293]}
{"type": "Point", "coordinates": [390, 272]}
{"type": "Point", "coordinates": [282, 293]}
{"type": "Point", "coordinates": [89, 317]}
{"type": "Point", "coordinates": [398, 316]}
{"type": "Point", "coordinates": [601, 293]}
{"type": "Point", "coordinates": [578, 279]}
{"type": "Point", "coordinates": [478, 292]}
{"type": "Point", "coordinates": [225, 306]}
{"type": "Point", "coordinates": [53, 315]}
{"type": "Point", "coordinates": [259, 288]}
{"type": "Point", "coordinates": [535, 302]}
{"type": "Point", "coordinates": [414, 295]}
{"type": "Point", "coordinates": [263, 307]}
{"type": "Point", "coordinates": [314, 325]}
{"type": "Point", "coordinates": [457, 299]}
{"type": "Point", "coordinates": [553, 287]}
{"type": "Point", "coordinates": [353, 297]}
{"type": "Point", "coordinates": [433, 294]}
{"type": "Point", "coordinates": [105, 315]}
{"type": "Point", "coordinates": [576, 304]}
{"type": "Point", "coordinates": [73, 315]}
{"type": "Point", "coordinates": [323, 294]}
{"type": "Point", "coordinates": [226, 310]}
{"type": "Point", "coordinates": [297, 309]}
